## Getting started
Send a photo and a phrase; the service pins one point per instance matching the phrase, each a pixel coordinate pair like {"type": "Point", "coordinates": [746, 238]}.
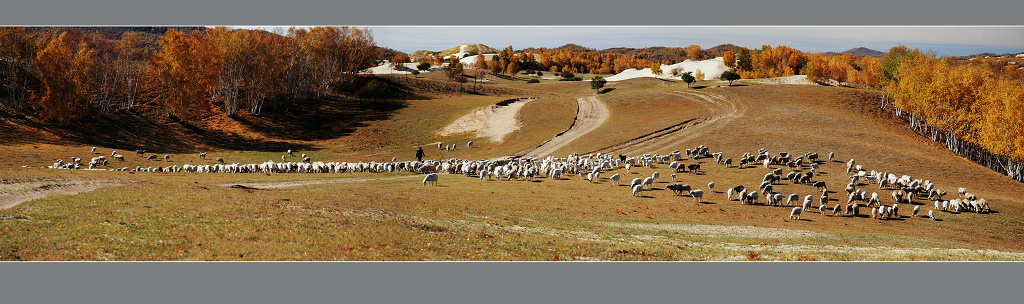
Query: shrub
{"type": "Point", "coordinates": [535, 80]}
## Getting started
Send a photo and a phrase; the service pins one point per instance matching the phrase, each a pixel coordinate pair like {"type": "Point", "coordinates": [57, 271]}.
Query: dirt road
{"type": "Point", "coordinates": [14, 194]}
{"type": "Point", "coordinates": [722, 111]}
{"type": "Point", "coordinates": [592, 112]}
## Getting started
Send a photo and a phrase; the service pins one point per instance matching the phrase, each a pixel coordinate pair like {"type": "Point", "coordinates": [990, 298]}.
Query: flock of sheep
{"type": "Point", "coordinates": [803, 169]}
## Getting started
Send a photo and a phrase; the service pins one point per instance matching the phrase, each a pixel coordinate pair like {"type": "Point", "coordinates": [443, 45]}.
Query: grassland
{"type": "Point", "coordinates": [390, 216]}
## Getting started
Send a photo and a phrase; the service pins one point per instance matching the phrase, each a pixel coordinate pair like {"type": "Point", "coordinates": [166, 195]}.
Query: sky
{"type": "Point", "coordinates": [943, 40]}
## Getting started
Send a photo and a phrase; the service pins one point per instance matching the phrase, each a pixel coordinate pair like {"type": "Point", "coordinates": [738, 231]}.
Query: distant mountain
{"type": "Point", "coordinates": [860, 51]}
{"type": "Point", "coordinates": [469, 48]}
{"type": "Point", "coordinates": [385, 53]}
{"type": "Point", "coordinates": [574, 47]}
{"type": "Point", "coordinates": [719, 50]}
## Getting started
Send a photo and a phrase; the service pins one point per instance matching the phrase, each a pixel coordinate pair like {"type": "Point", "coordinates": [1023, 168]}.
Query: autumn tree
{"type": "Point", "coordinates": [729, 58]}
{"type": "Point", "coordinates": [481, 62]}
{"type": "Point", "coordinates": [688, 78]}
{"type": "Point", "coordinates": [65, 64]}
{"type": "Point", "coordinates": [730, 77]}
{"type": "Point", "coordinates": [656, 68]}
{"type": "Point", "coordinates": [17, 65]}
{"type": "Point", "coordinates": [188, 66]}
{"type": "Point", "coordinates": [694, 51]}
{"type": "Point", "coordinates": [699, 75]}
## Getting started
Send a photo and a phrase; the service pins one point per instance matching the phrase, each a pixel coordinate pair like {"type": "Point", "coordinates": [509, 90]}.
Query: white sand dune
{"type": "Point", "coordinates": [492, 121]}
{"type": "Point", "coordinates": [712, 69]}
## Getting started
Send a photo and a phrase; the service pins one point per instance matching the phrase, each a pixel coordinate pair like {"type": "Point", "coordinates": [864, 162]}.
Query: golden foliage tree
{"type": "Point", "coordinates": [729, 58]}
{"type": "Point", "coordinates": [189, 67]}
{"type": "Point", "coordinates": [65, 66]}
{"type": "Point", "coordinates": [694, 51]}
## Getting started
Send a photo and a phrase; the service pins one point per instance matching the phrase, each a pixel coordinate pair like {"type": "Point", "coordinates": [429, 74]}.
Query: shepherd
{"type": "Point", "coordinates": [419, 154]}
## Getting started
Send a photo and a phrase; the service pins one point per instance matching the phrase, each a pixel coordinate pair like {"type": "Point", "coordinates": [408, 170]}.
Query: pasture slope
{"type": "Point", "coordinates": [391, 216]}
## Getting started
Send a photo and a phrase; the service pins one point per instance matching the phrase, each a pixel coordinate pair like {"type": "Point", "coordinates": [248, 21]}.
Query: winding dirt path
{"type": "Point", "coordinates": [592, 112]}
{"type": "Point", "coordinates": [722, 111]}
{"type": "Point", "coordinates": [14, 194]}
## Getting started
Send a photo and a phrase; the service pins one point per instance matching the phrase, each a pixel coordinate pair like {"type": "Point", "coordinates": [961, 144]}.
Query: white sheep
{"type": "Point", "coordinates": [430, 179]}
{"type": "Point", "coordinates": [835, 211]}
{"type": "Point", "coordinates": [931, 215]}
{"type": "Point", "coordinates": [917, 209]}
{"type": "Point", "coordinates": [469, 145]}
{"type": "Point", "coordinates": [167, 158]}
{"type": "Point", "coordinates": [792, 199]}
{"type": "Point", "coordinates": [698, 195]}
{"type": "Point", "coordinates": [615, 179]}
{"type": "Point", "coordinates": [637, 189]}
{"type": "Point", "coordinates": [655, 176]}
{"type": "Point", "coordinates": [752, 197]}
{"type": "Point", "coordinates": [648, 182]}
{"type": "Point", "coordinates": [93, 150]}
{"type": "Point", "coordinates": [711, 186]}
{"type": "Point", "coordinates": [795, 214]}
{"type": "Point", "coordinates": [636, 181]}
{"type": "Point", "coordinates": [822, 208]}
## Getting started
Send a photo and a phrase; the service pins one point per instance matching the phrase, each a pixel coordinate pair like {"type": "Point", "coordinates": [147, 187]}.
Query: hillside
{"type": "Point", "coordinates": [861, 51]}
{"type": "Point", "coordinates": [391, 216]}
{"type": "Point", "coordinates": [468, 48]}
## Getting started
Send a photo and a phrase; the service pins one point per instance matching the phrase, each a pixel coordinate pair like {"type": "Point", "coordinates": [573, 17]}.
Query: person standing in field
{"type": "Point", "coordinates": [419, 154]}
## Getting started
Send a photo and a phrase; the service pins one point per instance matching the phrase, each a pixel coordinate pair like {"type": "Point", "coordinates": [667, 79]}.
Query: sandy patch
{"type": "Point", "coordinates": [13, 194]}
{"type": "Point", "coordinates": [591, 114]}
{"type": "Point", "coordinates": [493, 121]}
{"type": "Point", "coordinates": [270, 185]}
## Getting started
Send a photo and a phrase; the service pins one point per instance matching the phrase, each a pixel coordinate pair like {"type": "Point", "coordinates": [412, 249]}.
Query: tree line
{"type": "Point", "coordinates": [67, 75]}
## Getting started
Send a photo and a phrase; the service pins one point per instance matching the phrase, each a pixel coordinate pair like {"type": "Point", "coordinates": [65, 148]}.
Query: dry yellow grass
{"type": "Point", "coordinates": [392, 217]}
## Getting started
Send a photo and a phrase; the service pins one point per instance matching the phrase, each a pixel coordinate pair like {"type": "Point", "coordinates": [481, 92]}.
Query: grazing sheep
{"type": "Point", "coordinates": [711, 187]}
{"type": "Point", "coordinates": [93, 150]}
{"type": "Point", "coordinates": [742, 196]}
{"type": "Point", "coordinates": [835, 211]}
{"type": "Point", "coordinates": [113, 153]}
{"type": "Point", "coordinates": [306, 159]}
{"type": "Point", "coordinates": [820, 185]}
{"type": "Point", "coordinates": [938, 205]}
{"type": "Point", "coordinates": [822, 209]}
{"type": "Point", "coordinates": [220, 160]}
{"type": "Point", "coordinates": [917, 209]}
{"type": "Point", "coordinates": [118, 157]}
{"type": "Point", "coordinates": [693, 168]}
{"type": "Point", "coordinates": [678, 189]}
{"type": "Point", "coordinates": [698, 195]}
{"type": "Point", "coordinates": [655, 176]}
{"type": "Point", "coordinates": [469, 145]}
{"type": "Point", "coordinates": [895, 210]}
{"type": "Point", "coordinates": [637, 189]}
{"type": "Point", "coordinates": [792, 199]}
{"type": "Point", "coordinates": [830, 156]}
{"type": "Point", "coordinates": [636, 181]}
{"type": "Point", "coordinates": [202, 155]}
{"type": "Point", "coordinates": [615, 179]}
{"type": "Point", "coordinates": [167, 158]}
{"type": "Point", "coordinates": [140, 152]}
{"type": "Point", "coordinates": [795, 214]}
{"type": "Point", "coordinates": [752, 197]}
{"type": "Point", "coordinates": [283, 159]}
{"type": "Point", "coordinates": [648, 183]}
{"type": "Point", "coordinates": [729, 193]}
{"type": "Point", "coordinates": [777, 199]}
{"type": "Point", "coordinates": [931, 214]}
{"type": "Point", "coordinates": [970, 196]}
{"type": "Point", "coordinates": [945, 205]}
{"type": "Point", "coordinates": [430, 179]}
{"type": "Point", "coordinates": [962, 191]}
{"type": "Point", "coordinates": [874, 212]}
{"type": "Point", "coordinates": [673, 176]}
{"type": "Point", "coordinates": [728, 162]}
{"type": "Point", "coordinates": [151, 157]}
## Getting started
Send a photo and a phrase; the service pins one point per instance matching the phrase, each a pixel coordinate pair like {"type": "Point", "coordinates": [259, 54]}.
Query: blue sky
{"type": "Point", "coordinates": [944, 40]}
